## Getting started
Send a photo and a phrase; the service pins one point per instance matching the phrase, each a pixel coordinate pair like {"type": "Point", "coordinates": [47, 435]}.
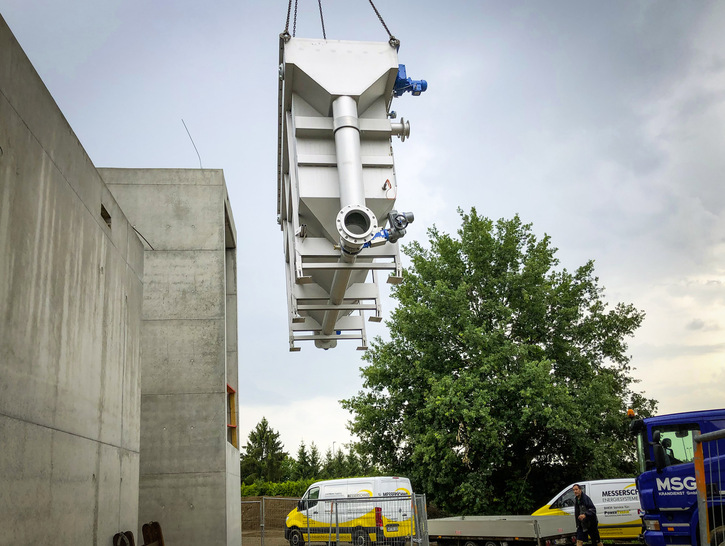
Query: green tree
{"type": "Point", "coordinates": [262, 458]}
{"type": "Point", "coordinates": [353, 463]}
{"type": "Point", "coordinates": [302, 469]}
{"type": "Point", "coordinates": [334, 465]}
{"type": "Point", "coordinates": [308, 464]}
{"type": "Point", "coordinates": [504, 379]}
{"type": "Point", "coordinates": [287, 469]}
{"type": "Point", "coordinates": [361, 462]}
{"type": "Point", "coordinates": [315, 460]}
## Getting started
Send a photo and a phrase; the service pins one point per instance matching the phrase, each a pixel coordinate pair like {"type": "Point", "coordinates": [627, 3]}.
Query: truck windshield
{"type": "Point", "coordinates": [677, 443]}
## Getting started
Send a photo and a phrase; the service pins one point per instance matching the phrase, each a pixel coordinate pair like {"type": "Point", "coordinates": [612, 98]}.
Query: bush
{"type": "Point", "coordinates": [294, 489]}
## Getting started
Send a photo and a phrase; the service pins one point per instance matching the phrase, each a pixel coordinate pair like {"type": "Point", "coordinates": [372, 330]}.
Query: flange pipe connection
{"type": "Point", "coordinates": [402, 129]}
{"type": "Point", "coordinates": [356, 226]}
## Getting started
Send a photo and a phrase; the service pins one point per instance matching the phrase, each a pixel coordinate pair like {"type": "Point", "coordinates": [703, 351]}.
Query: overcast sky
{"type": "Point", "coordinates": [601, 123]}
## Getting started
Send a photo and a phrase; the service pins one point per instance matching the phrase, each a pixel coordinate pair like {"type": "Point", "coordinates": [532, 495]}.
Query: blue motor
{"type": "Point", "coordinates": [403, 84]}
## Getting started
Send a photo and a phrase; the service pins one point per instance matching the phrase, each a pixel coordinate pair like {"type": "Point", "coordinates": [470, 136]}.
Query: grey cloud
{"type": "Point", "coordinates": [674, 352]}
{"type": "Point", "coordinates": [701, 325]}
{"type": "Point", "coordinates": [696, 324]}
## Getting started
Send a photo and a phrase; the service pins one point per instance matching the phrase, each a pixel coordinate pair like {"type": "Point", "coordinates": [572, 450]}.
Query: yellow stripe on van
{"type": "Point", "coordinates": [549, 511]}
{"type": "Point", "coordinates": [629, 530]}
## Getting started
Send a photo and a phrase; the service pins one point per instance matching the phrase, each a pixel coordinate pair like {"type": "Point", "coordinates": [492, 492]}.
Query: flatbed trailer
{"type": "Point", "coordinates": [502, 530]}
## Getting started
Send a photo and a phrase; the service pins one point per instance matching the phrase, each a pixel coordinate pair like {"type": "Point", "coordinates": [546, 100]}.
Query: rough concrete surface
{"type": "Point", "coordinates": [194, 367]}
{"type": "Point", "coordinates": [70, 319]}
{"type": "Point", "coordinates": [94, 438]}
{"type": "Point", "coordinates": [189, 472]}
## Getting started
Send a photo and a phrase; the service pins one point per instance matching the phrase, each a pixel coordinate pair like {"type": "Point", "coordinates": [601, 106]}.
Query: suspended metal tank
{"type": "Point", "coordinates": [336, 183]}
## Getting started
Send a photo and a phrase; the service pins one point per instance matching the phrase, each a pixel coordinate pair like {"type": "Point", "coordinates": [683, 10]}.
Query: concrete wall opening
{"type": "Point", "coordinates": [106, 217]}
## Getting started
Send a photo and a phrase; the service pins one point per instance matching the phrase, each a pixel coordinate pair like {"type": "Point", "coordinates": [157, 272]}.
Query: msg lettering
{"type": "Point", "coordinates": [676, 484]}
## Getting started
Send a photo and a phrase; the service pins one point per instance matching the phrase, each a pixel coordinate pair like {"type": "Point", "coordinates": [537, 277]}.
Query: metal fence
{"type": "Point", "coordinates": [421, 520]}
{"type": "Point", "coordinates": [379, 521]}
{"type": "Point", "coordinates": [263, 520]}
{"type": "Point", "coordinates": [710, 481]}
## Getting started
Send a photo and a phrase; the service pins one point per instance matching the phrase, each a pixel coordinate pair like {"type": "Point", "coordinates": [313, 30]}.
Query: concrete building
{"type": "Point", "coordinates": [189, 470]}
{"type": "Point", "coordinates": [71, 270]}
{"type": "Point", "coordinates": [118, 364]}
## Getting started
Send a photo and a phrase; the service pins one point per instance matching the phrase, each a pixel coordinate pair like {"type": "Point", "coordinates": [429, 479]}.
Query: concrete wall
{"type": "Point", "coordinates": [70, 319]}
{"type": "Point", "coordinates": [189, 469]}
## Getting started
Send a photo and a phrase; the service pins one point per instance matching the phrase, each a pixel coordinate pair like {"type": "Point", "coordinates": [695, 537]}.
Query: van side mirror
{"type": "Point", "coordinates": [301, 505]}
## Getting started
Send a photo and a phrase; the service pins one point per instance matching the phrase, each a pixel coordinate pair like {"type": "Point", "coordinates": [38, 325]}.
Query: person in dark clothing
{"type": "Point", "coordinates": [670, 458]}
{"type": "Point", "coordinates": [585, 515]}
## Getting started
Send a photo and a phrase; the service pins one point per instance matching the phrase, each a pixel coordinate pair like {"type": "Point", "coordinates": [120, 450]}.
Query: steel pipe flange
{"type": "Point", "coordinates": [356, 225]}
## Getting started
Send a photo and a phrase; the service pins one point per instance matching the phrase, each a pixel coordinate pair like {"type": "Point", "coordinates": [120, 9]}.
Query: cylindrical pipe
{"type": "Point", "coordinates": [352, 191]}
{"type": "Point", "coordinates": [347, 149]}
{"type": "Point", "coordinates": [339, 286]}
{"type": "Point", "coordinates": [337, 294]}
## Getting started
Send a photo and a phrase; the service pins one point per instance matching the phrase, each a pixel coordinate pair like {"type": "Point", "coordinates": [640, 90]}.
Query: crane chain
{"type": "Point", "coordinates": [322, 20]}
{"type": "Point", "coordinates": [393, 40]}
{"type": "Point", "coordinates": [286, 34]}
{"type": "Point", "coordinates": [286, 25]}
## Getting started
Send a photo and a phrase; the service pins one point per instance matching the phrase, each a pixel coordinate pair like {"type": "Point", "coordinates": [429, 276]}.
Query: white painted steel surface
{"type": "Point", "coordinates": [336, 184]}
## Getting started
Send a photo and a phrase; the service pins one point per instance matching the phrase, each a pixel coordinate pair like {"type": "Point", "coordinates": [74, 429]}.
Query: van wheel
{"type": "Point", "coordinates": [295, 538]}
{"type": "Point", "coordinates": [360, 538]}
{"type": "Point", "coordinates": [717, 536]}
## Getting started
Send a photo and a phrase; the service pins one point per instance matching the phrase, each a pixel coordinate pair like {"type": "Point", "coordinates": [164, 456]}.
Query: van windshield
{"type": "Point", "coordinates": [310, 498]}
{"type": "Point", "coordinates": [566, 499]}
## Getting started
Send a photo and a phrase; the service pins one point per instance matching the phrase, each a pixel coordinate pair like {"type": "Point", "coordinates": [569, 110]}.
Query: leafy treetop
{"type": "Point", "coordinates": [504, 379]}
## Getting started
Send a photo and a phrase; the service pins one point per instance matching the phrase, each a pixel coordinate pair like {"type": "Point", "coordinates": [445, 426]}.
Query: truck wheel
{"type": "Point", "coordinates": [470, 543]}
{"type": "Point", "coordinates": [491, 543]}
{"type": "Point", "coordinates": [717, 536]}
{"type": "Point", "coordinates": [295, 538]}
{"type": "Point", "coordinates": [360, 538]}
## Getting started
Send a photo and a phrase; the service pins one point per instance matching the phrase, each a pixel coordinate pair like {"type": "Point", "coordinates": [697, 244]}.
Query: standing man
{"type": "Point", "coordinates": [585, 514]}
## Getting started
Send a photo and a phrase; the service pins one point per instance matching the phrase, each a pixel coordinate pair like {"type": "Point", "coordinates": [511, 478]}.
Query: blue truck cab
{"type": "Point", "coordinates": [667, 482]}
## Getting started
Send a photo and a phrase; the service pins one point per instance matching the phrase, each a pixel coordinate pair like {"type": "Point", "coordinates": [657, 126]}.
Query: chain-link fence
{"type": "Point", "coordinates": [383, 521]}
{"type": "Point", "coordinates": [263, 520]}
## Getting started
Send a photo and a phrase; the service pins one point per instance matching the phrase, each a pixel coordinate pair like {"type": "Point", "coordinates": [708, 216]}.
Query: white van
{"type": "Point", "coordinates": [362, 510]}
{"type": "Point", "coordinates": [617, 503]}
